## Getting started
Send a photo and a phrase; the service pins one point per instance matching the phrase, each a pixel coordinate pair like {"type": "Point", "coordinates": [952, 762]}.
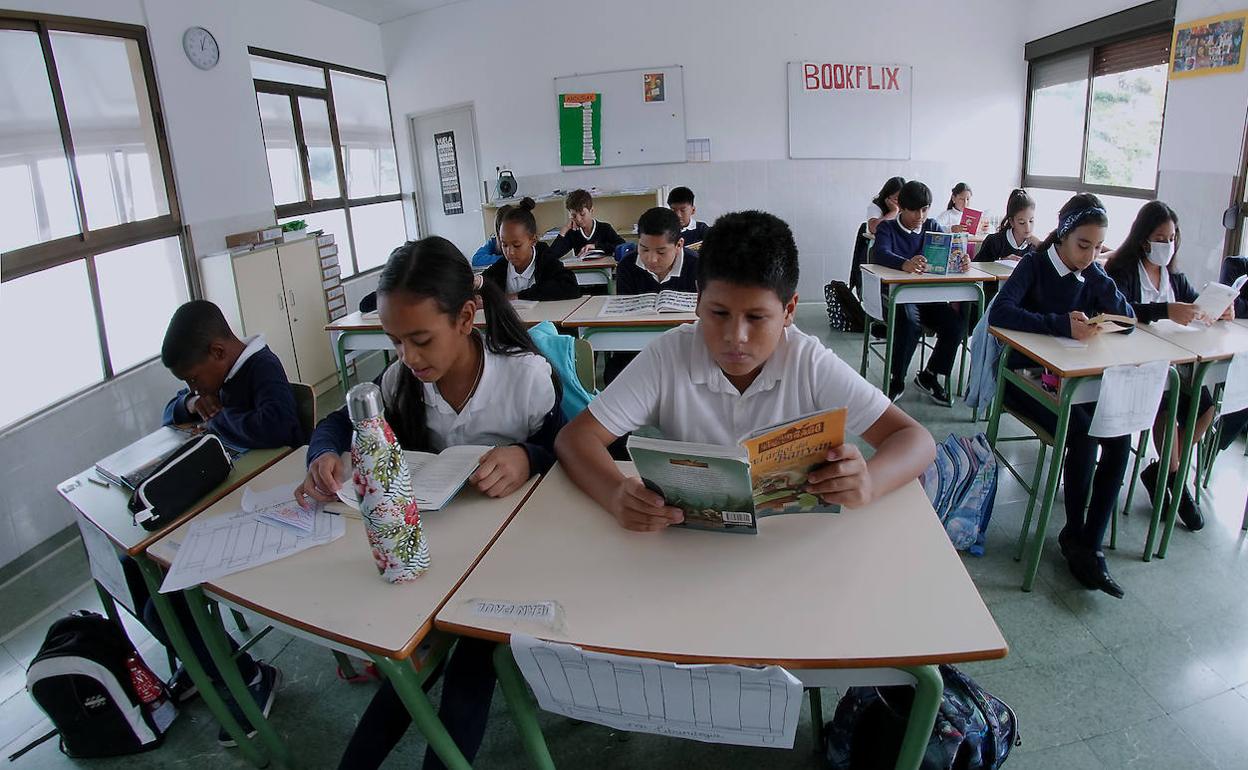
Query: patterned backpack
{"type": "Point", "coordinates": [845, 312]}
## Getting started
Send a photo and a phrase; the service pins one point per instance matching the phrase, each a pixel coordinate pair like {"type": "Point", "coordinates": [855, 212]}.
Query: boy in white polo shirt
{"type": "Point", "coordinates": [742, 366]}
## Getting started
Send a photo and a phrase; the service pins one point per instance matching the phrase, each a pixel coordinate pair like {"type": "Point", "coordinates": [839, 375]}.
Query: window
{"type": "Point", "coordinates": [1096, 101]}
{"type": "Point", "coordinates": [92, 229]}
{"type": "Point", "coordinates": [330, 146]}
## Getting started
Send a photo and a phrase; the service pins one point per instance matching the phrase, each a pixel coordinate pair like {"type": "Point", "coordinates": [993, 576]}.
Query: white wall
{"type": "Point", "coordinates": [503, 56]}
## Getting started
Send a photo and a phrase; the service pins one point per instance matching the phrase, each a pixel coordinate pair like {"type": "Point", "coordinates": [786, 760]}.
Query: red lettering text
{"type": "Point", "coordinates": [838, 76]}
{"type": "Point", "coordinates": [858, 76]}
{"type": "Point", "coordinates": [811, 72]}
{"type": "Point", "coordinates": [890, 79]}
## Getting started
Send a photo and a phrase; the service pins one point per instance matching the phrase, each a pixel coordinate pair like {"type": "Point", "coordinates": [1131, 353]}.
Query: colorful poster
{"type": "Point", "coordinates": [448, 173]}
{"type": "Point", "coordinates": [580, 129]}
{"type": "Point", "coordinates": [1208, 46]}
{"type": "Point", "coordinates": [652, 84]}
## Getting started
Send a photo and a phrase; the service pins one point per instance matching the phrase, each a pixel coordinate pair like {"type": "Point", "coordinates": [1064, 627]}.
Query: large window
{"type": "Point", "coordinates": [91, 259]}
{"type": "Point", "coordinates": [331, 156]}
{"type": "Point", "coordinates": [1097, 96]}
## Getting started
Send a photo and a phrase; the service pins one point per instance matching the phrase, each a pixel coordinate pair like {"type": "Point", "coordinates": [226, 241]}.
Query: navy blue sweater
{"type": "Point", "coordinates": [632, 278]}
{"type": "Point", "coordinates": [257, 406]}
{"type": "Point", "coordinates": [895, 244]}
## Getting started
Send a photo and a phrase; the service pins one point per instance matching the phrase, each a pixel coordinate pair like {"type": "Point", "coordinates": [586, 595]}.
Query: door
{"type": "Point", "coordinates": [450, 182]}
{"type": "Point", "coordinates": [305, 304]}
{"type": "Point", "coordinates": [262, 304]}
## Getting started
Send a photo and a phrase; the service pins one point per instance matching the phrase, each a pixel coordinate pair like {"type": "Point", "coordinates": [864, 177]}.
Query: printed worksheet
{"type": "Point", "coordinates": [1136, 394]}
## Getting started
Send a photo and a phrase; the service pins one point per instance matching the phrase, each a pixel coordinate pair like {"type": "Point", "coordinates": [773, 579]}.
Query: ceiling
{"type": "Point", "coordinates": [382, 11]}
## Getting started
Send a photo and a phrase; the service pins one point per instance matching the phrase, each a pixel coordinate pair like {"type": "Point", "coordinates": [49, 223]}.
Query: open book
{"type": "Point", "coordinates": [571, 257]}
{"type": "Point", "coordinates": [1217, 297]}
{"type": "Point", "coordinates": [1109, 322]}
{"type": "Point", "coordinates": [944, 250]}
{"type": "Point", "coordinates": [727, 489]}
{"type": "Point", "coordinates": [436, 478]}
{"type": "Point", "coordinates": [642, 304]}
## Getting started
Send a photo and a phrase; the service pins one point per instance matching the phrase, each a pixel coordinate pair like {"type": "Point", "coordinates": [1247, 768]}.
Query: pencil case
{"type": "Point", "coordinates": [192, 471]}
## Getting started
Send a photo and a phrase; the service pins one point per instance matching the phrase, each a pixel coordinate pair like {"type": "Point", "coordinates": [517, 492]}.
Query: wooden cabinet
{"type": "Point", "coordinates": [277, 290]}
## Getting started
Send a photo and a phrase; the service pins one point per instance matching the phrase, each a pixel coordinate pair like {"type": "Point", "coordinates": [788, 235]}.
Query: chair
{"type": "Point", "coordinates": [585, 364]}
{"type": "Point", "coordinates": [305, 407]}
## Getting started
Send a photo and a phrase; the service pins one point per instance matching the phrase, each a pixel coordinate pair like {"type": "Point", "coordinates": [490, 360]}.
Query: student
{"type": "Point", "coordinates": [236, 388]}
{"type": "Point", "coordinates": [898, 244]}
{"type": "Point", "coordinates": [1054, 291]}
{"type": "Point", "coordinates": [1144, 269]}
{"type": "Point", "coordinates": [490, 251]}
{"type": "Point", "coordinates": [951, 218]}
{"type": "Point", "coordinates": [680, 200]}
{"type": "Point", "coordinates": [661, 263]}
{"type": "Point", "coordinates": [531, 269]}
{"type": "Point", "coordinates": [1014, 239]}
{"type": "Point", "coordinates": [884, 205]}
{"type": "Point", "coordinates": [742, 366]}
{"type": "Point", "coordinates": [452, 385]}
{"type": "Point", "coordinates": [582, 233]}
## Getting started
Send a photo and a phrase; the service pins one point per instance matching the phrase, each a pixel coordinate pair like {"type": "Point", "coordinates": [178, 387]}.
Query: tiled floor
{"type": "Point", "coordinates": [1156, 680]}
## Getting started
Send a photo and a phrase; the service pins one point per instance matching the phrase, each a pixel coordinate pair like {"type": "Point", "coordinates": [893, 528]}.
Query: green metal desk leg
{"type": "Point", "coordinates": [890, 315]}
{"type": "Point", "coordinates": [1050, 487]}
{"type": "Point", "coordinates": [109, 605]}
{"type": "Point", "coordinates": [210, 628]}
{"type": "Point", "coordinates": [928, 689]}
{"type": "Point", "coordinates": [994, 410]}
{"type": "Point", "coordinates": [1185, 456]}
{"type": "Point", "coordinates": [516, 693]}
{"type": "Point", "coordinates": [1163, 469]}
{"type": "Point", "coordinates": [342, 364]}
{"type": "Point", "coordinates": [407, 681]}
{"type": "Point", "coordinates": [182, 647]}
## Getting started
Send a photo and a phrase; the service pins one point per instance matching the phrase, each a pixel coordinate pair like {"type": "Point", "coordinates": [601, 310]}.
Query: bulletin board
{"type": "Point", "coordinates": [843, 109]}
{"type": "Point", "coordinates": [642, 116]}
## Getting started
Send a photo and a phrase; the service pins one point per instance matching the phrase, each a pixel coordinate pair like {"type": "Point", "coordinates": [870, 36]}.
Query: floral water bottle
{"type": "Point", "coordinates": [384, 486]}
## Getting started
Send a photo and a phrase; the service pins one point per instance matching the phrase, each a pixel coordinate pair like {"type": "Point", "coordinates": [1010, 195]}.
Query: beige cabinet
{"type": "Point", "coordinates": [277, 290]}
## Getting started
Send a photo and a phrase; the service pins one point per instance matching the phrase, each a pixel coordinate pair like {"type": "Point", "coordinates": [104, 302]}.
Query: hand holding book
{"type": "Point", "coordinates": [844, 479]}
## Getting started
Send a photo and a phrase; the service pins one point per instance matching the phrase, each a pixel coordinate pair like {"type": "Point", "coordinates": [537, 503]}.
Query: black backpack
{"type": "Point", "coordinates": [845, 312]}
{"type": "Point", "coordinates": [81, 681]}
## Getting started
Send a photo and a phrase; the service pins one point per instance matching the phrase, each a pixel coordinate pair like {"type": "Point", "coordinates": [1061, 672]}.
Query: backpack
{"type": "Point", "coordinates": [84, 677]}
{"type": "Point", "coordinates": [974, 730]}
{"type": "Point", "coordinates": [961, 483]}
{"type": "Point", "coordinates": [845, 313]}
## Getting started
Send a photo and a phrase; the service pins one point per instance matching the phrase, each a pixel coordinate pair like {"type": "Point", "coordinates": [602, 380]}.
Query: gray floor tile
{"type": "Point", "coordinates": [1112, 621]}
{"type": "Point", "coordinates": [1158, 744]}
{"type": "Point", "coordinates": [1216, 727]}
{"type": "Point", "coordinates": [1040, 629]}
{"type": "Point", "coordinates": [1071, 756]}
{"type": "Point", "coordinates": [1167, 666]}
{"type": "Point", "coordinates": [1222, 642]}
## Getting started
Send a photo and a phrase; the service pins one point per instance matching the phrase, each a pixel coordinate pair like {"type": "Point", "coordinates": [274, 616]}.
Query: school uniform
{"type": "Point", "coordinates": [633, 277]}
{"type": "Point", "coordinates": [257, 406]}
{"type": "Point", "coordinates": [694, 233]}
{"type": "Point", "coordinates": [893, 245]}
{"type": "Point", "coordinates": [487, 254]}
{"type": "Point", "coordinates": [1038, 297]}
{"type": "Point", "coordinates": [1001, 245]}
{"type": "Point", "coordinates": [675, 385]}
{"type": "Point", "coordinates": [602, 235]}
{"type": "Point", "coordinates": [545, 278]}
{"type": "Point", "coordinates": [948, 218]}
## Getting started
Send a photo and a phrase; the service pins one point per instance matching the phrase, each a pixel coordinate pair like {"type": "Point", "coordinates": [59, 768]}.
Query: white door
{"type": "Point", "coordinates": [450, 183]}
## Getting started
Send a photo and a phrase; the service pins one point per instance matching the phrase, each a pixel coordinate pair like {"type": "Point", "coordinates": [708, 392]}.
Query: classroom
{"type": "Point", "coordinates": [534, 384]}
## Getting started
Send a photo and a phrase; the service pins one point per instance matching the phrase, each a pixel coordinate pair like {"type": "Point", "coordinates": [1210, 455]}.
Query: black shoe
{"type": "Point", "coordinates": [930, 384]}
{"type": "Point", "coordinates": [1148, 477]}
{"type": "Point", "coordinates": [1092, 572]}
{"type": "Point", "coordinates": [1067, 544]}
{"type": "Point", "coordinates": [263, 689]}
{"type": "Point", "coordinates": [896, 389]}
{"type": "Point", "coordinates": [1189, 513]}
{"type": "Point", "coordinates": [181, 687]}
{"type": "Point", "coordinates": [1104, 580]}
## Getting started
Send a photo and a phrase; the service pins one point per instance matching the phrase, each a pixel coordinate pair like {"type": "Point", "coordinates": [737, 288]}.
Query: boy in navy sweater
{"type": "Point", "coordinates": [582, 232]}
{"type": "Point", "coordinates": [236, 388]}
{"type": "Point", "coordinates": [899, 245]}
{"type": "Point", "coordinates": [1054, 291]}
{"type": "Point", "coordinates": [680, 200]}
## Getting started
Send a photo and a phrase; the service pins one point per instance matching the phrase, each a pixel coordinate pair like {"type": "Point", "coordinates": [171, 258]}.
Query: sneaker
{"type": "Point", "coordinates": [181, 687]}
{"type": "Point", "coordinates": [263, 689]}
{"type": "Point", "coordinates": [896, 389]}
{"type": "Point", "coordinates": [930, 384]}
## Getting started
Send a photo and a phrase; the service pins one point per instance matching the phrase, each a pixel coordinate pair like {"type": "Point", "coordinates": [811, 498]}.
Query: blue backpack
{"type": "Point", "coordinates": [974, 730]}
{"type": "Point", "coordinates": [962, 485]}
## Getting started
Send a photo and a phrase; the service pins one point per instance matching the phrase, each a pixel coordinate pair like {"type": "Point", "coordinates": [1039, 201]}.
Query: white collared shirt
{"type": "Point", "coordinates": [518, 282]}
{"type": "Point", "coordinates": [673, 273]}
{"type": "Point", "coordinates": [916, 231]}
{"type": "Point", "coordinates": [1060, 266]}
{"type": "Point", "coordinates": [1009, 238]}
{"type": "Point", "coordinates": [255, 344]}
{"type": "Point", "coordinates": [693, 225]}
{"type": "Point", "coordinates": [676, 386]}
{"type": "Point", "coordinates": [1149, 293]}
{"type": "Point", "coordinates": [590, 236]}
{"type": "Point", "coordinates": [948, 218]}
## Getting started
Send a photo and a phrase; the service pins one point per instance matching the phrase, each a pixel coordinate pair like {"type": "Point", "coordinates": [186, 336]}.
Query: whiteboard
{"type": "Point", "coordinates": [634, 132]}
{"type": "Point", "coordinates": [849, 110]}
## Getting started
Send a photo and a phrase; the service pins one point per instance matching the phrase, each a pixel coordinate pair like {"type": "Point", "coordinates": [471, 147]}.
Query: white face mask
{"type": "Point", "coordinates": [1160, 254]}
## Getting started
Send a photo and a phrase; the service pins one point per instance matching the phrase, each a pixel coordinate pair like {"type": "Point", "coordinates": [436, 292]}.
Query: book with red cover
{"type": "Point", "coordinates": [970, 220]}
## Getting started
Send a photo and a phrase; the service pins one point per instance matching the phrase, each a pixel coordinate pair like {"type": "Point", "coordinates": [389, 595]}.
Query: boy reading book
{"type": "Point", "coordinates": [680, 200]}
{"type": "Point", "coordinates": [582, 233]}
{"type": "Point", "coordinates": [741, 366]}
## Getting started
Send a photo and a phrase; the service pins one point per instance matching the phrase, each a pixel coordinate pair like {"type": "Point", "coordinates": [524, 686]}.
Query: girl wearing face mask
{"type": "Point", "coordinates": [1144, 269]}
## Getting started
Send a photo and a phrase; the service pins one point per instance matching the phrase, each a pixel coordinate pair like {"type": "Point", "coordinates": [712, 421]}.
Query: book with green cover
{"type": "Point", "coordinates": [941, 250]}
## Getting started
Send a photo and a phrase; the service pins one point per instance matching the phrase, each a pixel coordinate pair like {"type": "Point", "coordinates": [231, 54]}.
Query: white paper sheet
{"type": "Point", "coordinates": [1129, 399]}
{"type": "Point", "coordinates": [872, 296]}
{"type": "Point", "coordinates": [1235, 394]}
{"type": "Point", "coordinates": [436, 478]}
{"type": "Point", "coordinates": [105, 565]}
{"type": "Point", "coordinates": [715, 704]}
{"type": "Point", "coordinates": [277, 506]}
{"type": "Point", "coordinates": [232, 542]}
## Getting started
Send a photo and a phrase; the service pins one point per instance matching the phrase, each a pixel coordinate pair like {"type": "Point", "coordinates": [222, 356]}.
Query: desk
{"type": "Point", "coordinates": [331, 595]}
{"type": "Point", "coordinates": [1079, 369]}
{"type": "Point", "coordinates": [105, 509]}
{"type": "Point", "coordinates": [1213, 347]}
{"type": "Point", "coordinates": [554, 311]}
{"type": "Point", "coordinates": [915, 288]}
{"type": "Point", "coordinates": [594, 272]}
{"type": "Point", "coordinates": [998, 271]}
{"type": "Point", "coordinates": [737, 593]}
{"type": "Point", "coordinates": [621, 333]}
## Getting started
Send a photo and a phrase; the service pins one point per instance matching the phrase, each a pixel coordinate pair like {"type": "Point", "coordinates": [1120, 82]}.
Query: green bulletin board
{"type": "Point", "coordinates": [580, 129]}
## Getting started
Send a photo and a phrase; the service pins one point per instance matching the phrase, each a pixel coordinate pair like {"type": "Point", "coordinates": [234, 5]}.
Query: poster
{"type": "Point", "coordinates": [448, 173]}
{"type": "Point", "coordinates": [652, 83]}
{"type": "Point", "coordinates": [1208, 46]}
{"type": "Point", "coordinates": [580, 129]}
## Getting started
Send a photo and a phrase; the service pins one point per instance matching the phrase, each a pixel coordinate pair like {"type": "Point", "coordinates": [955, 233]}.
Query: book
{"type": "Point", "coordinates": [132, 465]}
{"type": "Point", "coordinates": [728, 488]}
{"type": "Point", "coordinates": [667, 301]}
{"type": "Point", "coordinates": [436, 476]}
{"type": "Point", "coordinates": [1215, 298]}
{"type": "Point", "coordinates": [970, 220]}
{"type": "Point", "coordinates": [571, 257]}
{"type": "Point", "coordinates": [941, 250]}
{"type": "Point", "coordinates": [1109, 322]}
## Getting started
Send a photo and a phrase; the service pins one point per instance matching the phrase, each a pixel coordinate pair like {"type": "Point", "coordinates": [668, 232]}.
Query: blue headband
{"type": "Point", "coordinates": [1074, 219]}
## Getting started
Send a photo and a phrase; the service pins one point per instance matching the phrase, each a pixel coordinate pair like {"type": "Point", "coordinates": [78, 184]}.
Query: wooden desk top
{"type": "Point", "coordinates": [1219, 341]}
{"type": "Point", "coordinates": [107, 509]}
{"type": "Point", "coordinates": [554, 311]}
{"type": "Point", "coordinates": [355, 322]}
{"type": "Point", "coordinates": [889, 276]}
{"type": "Point", "coordinates": [592, 264]}
{"type": "Point", "coordinates": [1101, 352]}
{"type": "Point", "coordinates": [998, 271]}
{"type": "Point", "coordinates": [880, 586]}
{"type": "Point", "coordinates": [587, 315]}
{"type": "Point", "coordinates": [333, 591]}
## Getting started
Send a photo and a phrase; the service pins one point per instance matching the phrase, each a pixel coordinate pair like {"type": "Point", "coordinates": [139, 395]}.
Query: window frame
{"type": "Point", "coordinates": [311, 205]}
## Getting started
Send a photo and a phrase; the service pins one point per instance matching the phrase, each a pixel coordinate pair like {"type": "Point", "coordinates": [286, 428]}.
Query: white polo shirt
{"type": "Point", "coordinates": [676, 386]}
{"type": "Point", "coordinates": [948, 218]}
{"type": "Point", "coordinates": [518, 282]}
